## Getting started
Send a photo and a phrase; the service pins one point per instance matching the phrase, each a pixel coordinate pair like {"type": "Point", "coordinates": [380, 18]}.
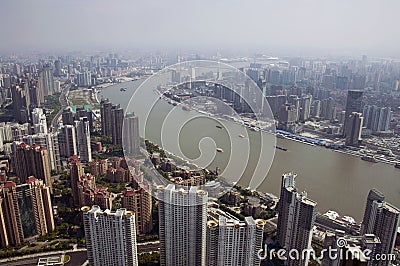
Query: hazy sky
{"type": "Point", "coordinates": [279, 26]}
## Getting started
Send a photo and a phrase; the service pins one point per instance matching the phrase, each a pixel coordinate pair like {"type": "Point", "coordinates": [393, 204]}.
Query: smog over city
{"type": "Point", "coordinates": [206, 133]}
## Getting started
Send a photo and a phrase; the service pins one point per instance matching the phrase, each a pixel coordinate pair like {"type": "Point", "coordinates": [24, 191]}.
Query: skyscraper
{"type": "Point", "coordinates": [31, 161]}
{"type": "Point", "coordinates": [328, 81]}
{"type": "Point", "coordinates": [328, 110]}
{"type": "Point", "coordinates": [353, 104]}
{"type": "Point", "coordinates": [112, 119]}
{"type": "Point", "coordinates": [6, 130]}
{"type": "Point", "coordinates": [106, 117]}
{"type": "Point", "coordinates": [253, 73]}
{"type": "Point", "coordinates": [117, 114]}
{"type": "Point", "coordinates": [21, 102]}
{"type": "Point", "coordinates": [374, 195]}
{"type": "Point", "coordinates": [11, 224]}
{"type": "Point", "coordinates": [83, 139]}
{"type": "Point", "coordinates": [182, 218]}
{"type": "Point", "coordinates": [58, 68]}
{"type": "Point", "coordinates": [110, 237]}
{"type": "Point", "coordinates": [67, 141]}
{"type": "Point", "coordinates": [358, 82]}
{"type": "Point", "coordinates": [46, 81]}
{"type": "Point", "coordinates": [131, 134]}
{"type": "Point", "coordinates": [288, 117]}
{"type": "Point", "coordinates": [276, 103]}
{"type": "Point", "coordinates": [377, 118]}
{"type": "Point", "coordinates": [50, 141]}
{"type": "Point", "coordinates": [381, 219]}
{"type": "Point", "coordinates": [26, 211]}
{"type": "Point", "coordinates": [75, 171]}
{"type": "Point", "coordinates": [139, 201]}
{"type": "Point", "coordinates": [85, 112]}
{"type": "Point", "coordinates": [305, 110]}
{"type": "Point", "coordinates": [84, 79]}
{"type": "Point", "coordinates": [36, 96]}
{"type": "Point", "coordinates": [294, 101]}
{"type": "Point", "coordinates": [296, 219]}
{"type": "Point", "coordinates": [354, 101]}
{"type": "Point", "coordinates": [35, 208]}
{"type": "Point", "coordinates": [39, 121]}
{"type": "Point", "coordinates": [316, 110]}
{"type": "Point", "coordinates": [67, 116]}
{"type": "Point", "coordinates": [353, 129]}
{"type": "Point", "coordinates": [342, 83]}
{"type": "Point", "coordinates": [234, 243]}
{"type": "Point", "coordinates": [18, 131]}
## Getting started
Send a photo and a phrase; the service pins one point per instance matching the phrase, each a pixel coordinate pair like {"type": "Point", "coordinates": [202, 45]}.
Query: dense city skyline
{"type": "Point", "coordinates": [207, 133]}
{"type": "Point", "coordinates": [67, 122]}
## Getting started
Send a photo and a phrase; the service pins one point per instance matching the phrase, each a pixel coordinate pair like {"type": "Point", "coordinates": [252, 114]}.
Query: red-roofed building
{"type": "Point", "coordinates": [140, 202]}
{"type": "Point", "coordinates": [85, 182]}
{"type": "Point", "coordinates": [98, 168]}
{"type": "Point", "coordinates": [3, 177]}
{"type": "Point", "coordinates": [89, 194]}
{"type": "Point", "coordinates": [31, 199]}
{"type": "Point", "coordinates": [118, 175]}
{"type": "Point", "coordinates": [103, 199]}
{"type": "Point", "coordinates": [30, 179]}
{"type": "Point", "coordinates": [9, 184]}
{"type": "Point", "coordinates": [76, 171]}
{"type": "Point", "coordinates": [32, 160]}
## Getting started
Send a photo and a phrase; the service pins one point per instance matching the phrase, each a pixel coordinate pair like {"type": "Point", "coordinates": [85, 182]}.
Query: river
{"type": "Point", "coordinates": [335, 180]}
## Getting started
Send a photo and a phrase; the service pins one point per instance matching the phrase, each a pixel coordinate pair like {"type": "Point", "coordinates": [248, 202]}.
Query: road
{"type": "Point", "coordinates": [147, 247]}
{"type": "Point", "coordinates": [64, 103]}
{"type": "Point", "coordinates": [78, 257]}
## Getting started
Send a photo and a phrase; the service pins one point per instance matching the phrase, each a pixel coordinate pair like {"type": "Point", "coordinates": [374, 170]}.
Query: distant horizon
{"type": "Point", "coordinates": [203, 54]}
{"type": "Point", "coordinates": [300, 28]}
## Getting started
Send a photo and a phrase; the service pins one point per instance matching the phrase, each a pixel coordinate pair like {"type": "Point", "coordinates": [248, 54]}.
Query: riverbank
{"type": "Point", "coordinates": [254, 125]}
{"type": "Point", "coordinates": [337, 181]}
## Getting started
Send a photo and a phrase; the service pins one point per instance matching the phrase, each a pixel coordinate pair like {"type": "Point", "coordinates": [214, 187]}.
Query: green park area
{"type": "Point", "coordinates": [82, 97]}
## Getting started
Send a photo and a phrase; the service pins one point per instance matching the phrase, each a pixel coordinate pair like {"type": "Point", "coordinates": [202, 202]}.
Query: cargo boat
{"type": "Point", "coordinates": [281, 148]}
{"type": "Point", "coordinates": [369, 159]}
